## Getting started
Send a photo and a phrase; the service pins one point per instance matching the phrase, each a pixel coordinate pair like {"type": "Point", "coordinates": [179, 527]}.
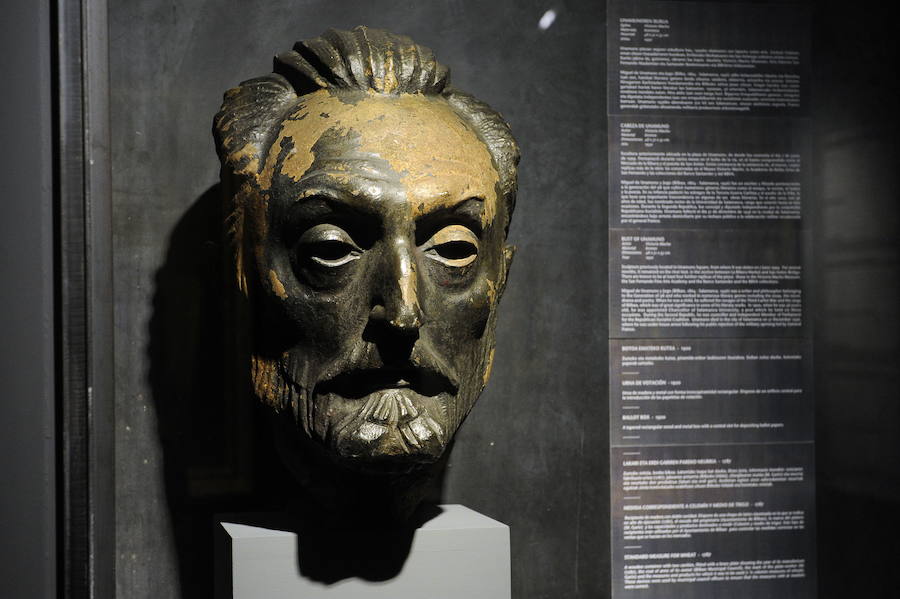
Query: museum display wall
{"type": "Point", "coordinates": [544, 448]}
{"type": "Point", "coordinates": [533, 452]}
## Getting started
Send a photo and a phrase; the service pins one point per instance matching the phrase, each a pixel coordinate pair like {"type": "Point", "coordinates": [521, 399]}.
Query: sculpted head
{"type": "Point", "coordinates": [369, 208]}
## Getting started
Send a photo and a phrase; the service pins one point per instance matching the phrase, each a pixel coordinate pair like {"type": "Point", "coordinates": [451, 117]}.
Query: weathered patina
{"type": "Point", "coordinates": [369, 204]}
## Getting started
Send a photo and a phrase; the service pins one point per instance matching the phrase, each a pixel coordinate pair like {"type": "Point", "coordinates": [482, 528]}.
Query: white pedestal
{"type": "Point", "coordinates": [459, 554]}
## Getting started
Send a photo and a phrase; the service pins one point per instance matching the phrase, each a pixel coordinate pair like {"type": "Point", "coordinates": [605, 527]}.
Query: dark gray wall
{"type": "Point", "coordinates": [856, 91]}
{"type": "Point", "coordinates": [534, 452]}
{"type": "Point", "coordinates": [27, 437]}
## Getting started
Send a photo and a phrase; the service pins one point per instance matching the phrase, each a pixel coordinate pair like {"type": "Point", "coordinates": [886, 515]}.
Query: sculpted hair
{"type": "Point", "coordinates": [362, 59]}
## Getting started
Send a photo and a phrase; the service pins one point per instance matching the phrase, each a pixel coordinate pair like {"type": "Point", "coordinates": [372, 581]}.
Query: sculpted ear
{"type": "Point", "coordinates": [248, 119]}
{"type": "Point", "coordinates": [243, 128]}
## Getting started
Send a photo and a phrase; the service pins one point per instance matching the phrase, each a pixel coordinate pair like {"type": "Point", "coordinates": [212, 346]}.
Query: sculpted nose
{"type": "Point", "coordinates": [397, 304]}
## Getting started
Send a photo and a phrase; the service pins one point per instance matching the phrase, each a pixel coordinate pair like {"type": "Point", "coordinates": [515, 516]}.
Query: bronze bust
{"type": "Point", "coordinates": [369, 207]}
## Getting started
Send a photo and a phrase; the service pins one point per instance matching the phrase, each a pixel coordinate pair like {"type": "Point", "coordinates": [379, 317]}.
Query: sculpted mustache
{"type": "Point", "coordinates": [358, 378]}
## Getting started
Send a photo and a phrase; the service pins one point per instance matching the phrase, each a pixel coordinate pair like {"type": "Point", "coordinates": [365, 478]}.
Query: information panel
{"type": "Point", "coordinates": [711, 407]}
{"type": "Point", "coordinates": [689, 172]}
{"type": "Point", "coordinates": [713, 521]}
{"type": "Point", "coordinates": [705, 283]}
{"type": "Point", "coordinates": [710, 391]}
{"type": "Point", "coordinates": [708, 57]}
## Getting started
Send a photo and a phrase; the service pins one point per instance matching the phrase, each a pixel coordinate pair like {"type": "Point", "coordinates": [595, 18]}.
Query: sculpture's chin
{"type": "Point", "coordinates": [396, 449]}
{"type": "Point", "coordinates": [389, 430]}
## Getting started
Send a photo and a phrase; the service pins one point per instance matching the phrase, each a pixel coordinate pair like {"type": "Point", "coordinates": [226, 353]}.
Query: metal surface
{"type": "Point", "coordinates": [84, 296]}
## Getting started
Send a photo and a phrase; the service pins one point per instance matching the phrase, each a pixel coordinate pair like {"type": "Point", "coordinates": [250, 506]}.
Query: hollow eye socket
{"type": "Point", "coordinates": [455, 246]}
{"type": "Point", "coordinates": [328, 245]}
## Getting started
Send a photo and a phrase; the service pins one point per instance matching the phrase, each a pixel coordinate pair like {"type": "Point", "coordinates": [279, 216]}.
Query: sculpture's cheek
{"type": "Point", "coordinates": [331, 324]}
{"type": "Point", "coordinates": [276, 286]}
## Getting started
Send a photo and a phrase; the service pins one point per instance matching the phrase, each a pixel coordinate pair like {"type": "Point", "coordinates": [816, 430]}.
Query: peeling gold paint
{"type": "Point", "coordinates": [409, 287]}
{"type": "Point", "coordinates": [389, 83]}
{"type": "Point", "coordinates": [434, 154]}
{"type": "Point", "coordinates": [264, 375]}
{"type": "Point", "coordinates": [250, 151]}
{"type": "Point", "coordinates": [268, 383]}
{"type": "Point", "coordinates": [252, 165]}
{"type": "Point", "coordinates": [277, 287]}
{"type": "Point", "coordinates": [439, 158]}
{"type": "Point", "coordinates": [488, 368]}
{"type": "Point", "coordinates": [491, 291]}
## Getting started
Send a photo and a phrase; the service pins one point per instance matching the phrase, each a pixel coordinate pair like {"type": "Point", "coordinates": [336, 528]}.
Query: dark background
{"type": "Point", "coordinates": [856, 298]}
{"type": "Point", "coordinates": [534, 454]}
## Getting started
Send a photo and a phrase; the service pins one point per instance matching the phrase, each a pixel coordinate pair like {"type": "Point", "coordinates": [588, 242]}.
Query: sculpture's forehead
{"type": "Point", "coordinates": [430, 148]}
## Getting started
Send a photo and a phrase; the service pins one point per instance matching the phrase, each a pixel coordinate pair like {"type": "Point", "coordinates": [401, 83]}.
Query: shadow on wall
{"type": "Point", "coordinates": [218, 457]}
{"type": "Point", "coordinates": [206, 465]}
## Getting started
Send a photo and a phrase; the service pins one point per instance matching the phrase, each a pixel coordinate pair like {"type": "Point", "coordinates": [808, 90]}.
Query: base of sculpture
{"type": "Point", "coordinates": [456, 554]}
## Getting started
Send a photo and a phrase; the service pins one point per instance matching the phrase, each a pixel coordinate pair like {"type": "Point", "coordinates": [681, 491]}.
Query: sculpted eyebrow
{"type": "Point", "coordinates": [317, 206]}
{"type": "Point", "coordinates": [467, 212]}
{"type": "Point", "coordinates": [329, 199]}
{"type": "Point", "coordinates": [471, 207]}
